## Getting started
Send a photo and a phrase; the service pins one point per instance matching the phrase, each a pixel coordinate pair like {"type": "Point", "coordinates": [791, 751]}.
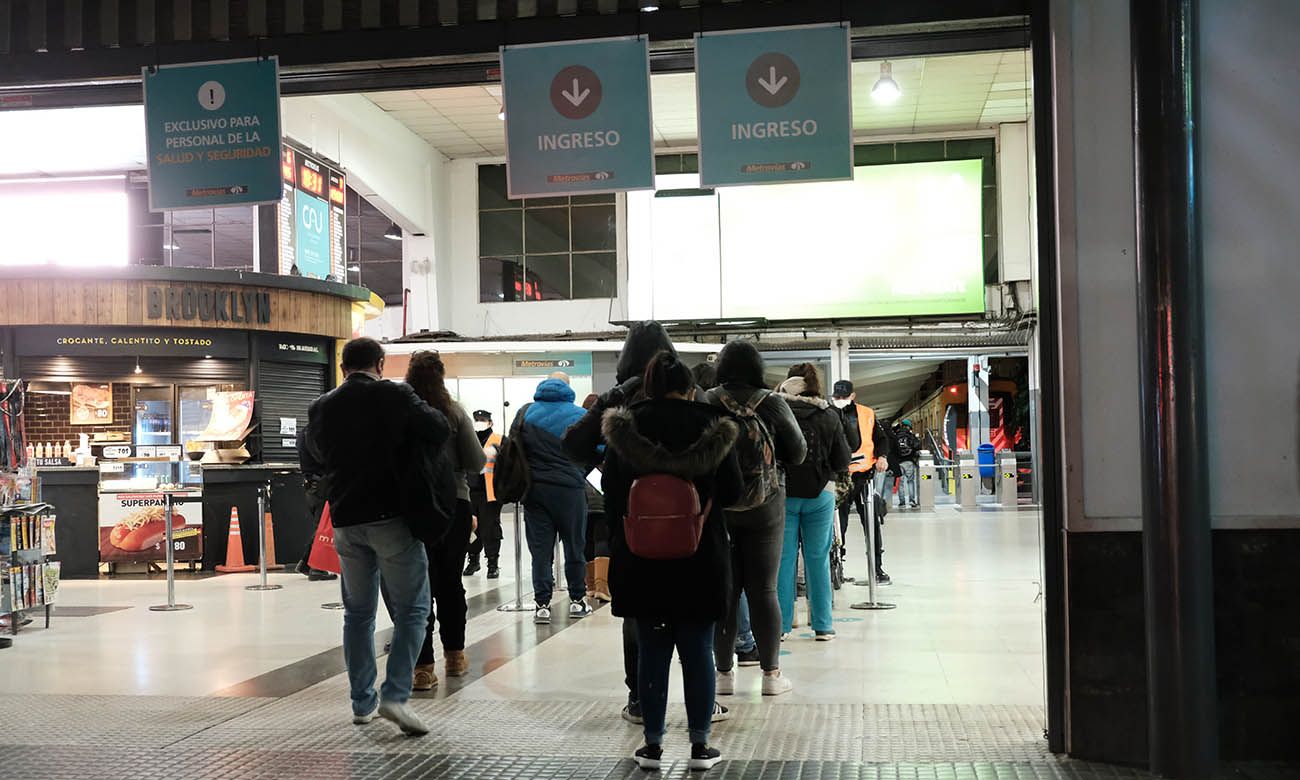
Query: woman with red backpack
{"type": "Point", "coordinates": [670, 468]}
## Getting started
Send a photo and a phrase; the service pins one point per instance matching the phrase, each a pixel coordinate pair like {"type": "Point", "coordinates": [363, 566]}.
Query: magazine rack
{"type": "Point", "coordinates": [29, 577]}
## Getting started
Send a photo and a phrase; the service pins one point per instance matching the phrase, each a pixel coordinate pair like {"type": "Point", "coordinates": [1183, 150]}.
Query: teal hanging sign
{"type": "Point", "coordinates": [775, 105]}
{"type": "Point", "coordinates": [577, 117]}
{"type": "Point", "coordinates": [213, 134]}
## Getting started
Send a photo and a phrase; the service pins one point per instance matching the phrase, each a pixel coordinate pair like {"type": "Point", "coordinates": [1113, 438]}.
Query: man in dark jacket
{"type": "Point", "coordinates": [556, 503]}
{"type": "Point", "coordinates": [371, 437]}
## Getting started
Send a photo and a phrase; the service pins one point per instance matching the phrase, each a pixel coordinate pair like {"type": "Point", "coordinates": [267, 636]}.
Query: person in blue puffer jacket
{"type": "Point", "coordinates": [556, 503]}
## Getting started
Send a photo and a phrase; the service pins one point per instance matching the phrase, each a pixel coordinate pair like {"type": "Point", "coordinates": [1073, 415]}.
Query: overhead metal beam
{"type": "Point", "coordinates": [132, 38]}
{"type": "Point", "coordinates": [1009, 34]}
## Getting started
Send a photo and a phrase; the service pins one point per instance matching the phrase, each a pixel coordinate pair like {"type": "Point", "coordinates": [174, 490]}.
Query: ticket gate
{"type": "Point", "coordinates": [1008, 490]}
{"type": "Point", "coordinates": [968, 480]}
{"type": "Point", "coordinates": [926, 478]}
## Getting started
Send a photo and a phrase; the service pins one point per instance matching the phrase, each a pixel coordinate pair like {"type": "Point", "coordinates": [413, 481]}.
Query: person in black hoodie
{"type": "Point", "coordinates": [756, 534]}
{"type": "Point", "coordinates": [810, 500]}
{"type": "Point", "coordinates": [675, 603]}
{"type": "Point", "coordinates": [584, 442]}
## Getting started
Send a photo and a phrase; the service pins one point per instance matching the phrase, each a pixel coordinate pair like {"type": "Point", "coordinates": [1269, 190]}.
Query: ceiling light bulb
{"type": "Point", "coordinates": [393, 233]}
{"type": "Point", "coordinates": [138, 370]}
{"type": "Point", "coordinates": [502, 114]}
{"type": "Point", "coordinates": [886, 89]}
{"type": "Point", "coordinates": [649, 8]}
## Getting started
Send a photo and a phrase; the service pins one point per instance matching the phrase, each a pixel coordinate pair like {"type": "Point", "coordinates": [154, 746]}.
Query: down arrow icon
{"type": "Point", "coordinates": [772, 80]}
{"type": "Point", "coordinates": [576, 92]}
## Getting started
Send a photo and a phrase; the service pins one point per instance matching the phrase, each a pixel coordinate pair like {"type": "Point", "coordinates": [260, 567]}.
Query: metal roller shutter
{"type": "Point", "coordinates": [155, 370]}
{"type": "Point", "coordinates": [285, 390]}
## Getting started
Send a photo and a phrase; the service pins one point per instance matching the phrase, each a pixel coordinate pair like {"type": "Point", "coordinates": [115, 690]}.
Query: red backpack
{"type": "Point", "coordinates": [664, 519]}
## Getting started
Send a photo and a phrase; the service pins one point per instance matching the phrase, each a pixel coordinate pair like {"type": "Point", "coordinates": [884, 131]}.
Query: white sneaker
{"type": "Point", "coordinates": [361, 720]}
{"type": "Point", "coordinates": [542, 615]}
{"type": "Point", "coordinates": [726, 685]}
{"type": "Point", "coordinates": [776, 684]}
{"type": "Point", "coordinates": [579, 609]}
{"type": "Point", "coordinates": [406, 720]}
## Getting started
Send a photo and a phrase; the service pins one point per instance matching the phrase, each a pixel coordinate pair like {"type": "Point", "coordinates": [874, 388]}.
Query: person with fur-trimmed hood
{"type": "Point", "coordinates": [675, 603]}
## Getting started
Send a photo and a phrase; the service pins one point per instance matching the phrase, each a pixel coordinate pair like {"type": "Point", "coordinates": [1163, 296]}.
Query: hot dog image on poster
{"type": "Point", "coordinates": [133, 528]}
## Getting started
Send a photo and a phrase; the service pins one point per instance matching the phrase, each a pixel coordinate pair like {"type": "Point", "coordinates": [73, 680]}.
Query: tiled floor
{"type": "Point", "coordinates": [247, 685]}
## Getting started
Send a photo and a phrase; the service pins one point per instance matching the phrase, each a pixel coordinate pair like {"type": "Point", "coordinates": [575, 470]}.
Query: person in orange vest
{"type": "Point", "coordinates": [486, 507]}
{"type": "Point", "coordinates": [869, 441]}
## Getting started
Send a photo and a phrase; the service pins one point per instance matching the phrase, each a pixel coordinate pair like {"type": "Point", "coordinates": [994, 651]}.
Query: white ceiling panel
{"type": "Point", "coordinates": [942, 93]}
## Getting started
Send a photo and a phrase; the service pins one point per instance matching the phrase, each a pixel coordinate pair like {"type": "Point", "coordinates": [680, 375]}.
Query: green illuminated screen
{"type": "Point", "coordinates": [899, 240]}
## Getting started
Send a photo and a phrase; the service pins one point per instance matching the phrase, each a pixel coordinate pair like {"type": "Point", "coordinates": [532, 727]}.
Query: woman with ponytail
{"type": "Point", "coordinates": [427, 375]}
{"type": "Point", "coordinates": [675, 601]}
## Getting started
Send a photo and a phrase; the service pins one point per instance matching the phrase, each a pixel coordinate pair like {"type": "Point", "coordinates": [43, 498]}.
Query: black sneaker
{"type": "Point", "coordinates": [747, 658]}
{"type": "Point", "coordinates": [649, 757]}
{"type": "Point", "coordinates": [471, 567]}
{"type": "Point", "coordinates": [494, 571]}
{"type": "Point", "coordinates": [883, 579]}
{"type": "Point", "coordinates": [316, 575]}
{"type": "Point", "coordinates": [632, 712]}
{"type": "Point", "coordinates": [720, 713]}
{"type": "Point", "coordinates": [704, 757]}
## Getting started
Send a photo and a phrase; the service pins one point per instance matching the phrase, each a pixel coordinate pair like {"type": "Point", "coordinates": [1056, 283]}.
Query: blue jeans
{"type": "Point", "coordinates": [809, 519]}
{"type": "Point", "coordinates": [744, 631]}
{"type": "Point", "coordinates": [367, 553]}
{"type": "Point", "coordinates": [907, 492]}
{"type": "Point", "coordinates": [694, 644]}
{"type": "Point", "coordinates": [551, 510]}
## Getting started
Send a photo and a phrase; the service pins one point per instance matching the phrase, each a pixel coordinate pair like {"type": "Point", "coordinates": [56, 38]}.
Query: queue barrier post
{"type": "Point", "coordinates": [262, 493]}
{"type": "Point", "coordinates": [871, 603]}
{"type": "Point", "coordinates": [518, 605]}
{"type": "Point", "coordinates": [171, 605]}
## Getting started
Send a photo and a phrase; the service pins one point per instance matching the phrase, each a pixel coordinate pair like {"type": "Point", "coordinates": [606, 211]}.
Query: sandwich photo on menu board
{"type": "Point", "coordinates": [92, 404]}
{"type": "Point", "coordinates": [232, 413]}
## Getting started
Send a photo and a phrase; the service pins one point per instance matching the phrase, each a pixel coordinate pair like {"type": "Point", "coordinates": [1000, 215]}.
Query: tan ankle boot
{"type": "Point", "coordinates": [600, 588]}
{"type": "Point", "coordinates": [591, 576]}
{"type": "Point", "coordinates": [457, 663]}
{"type": "Point", "coordinates": [426, 678]}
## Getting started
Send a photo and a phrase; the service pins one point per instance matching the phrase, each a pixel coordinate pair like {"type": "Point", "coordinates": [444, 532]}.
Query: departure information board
{"type": "Point", "coordinates": [312, 217]}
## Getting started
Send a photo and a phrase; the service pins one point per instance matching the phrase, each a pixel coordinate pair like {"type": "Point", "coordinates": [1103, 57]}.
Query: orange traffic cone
{"type": "Point", "coordinates": [235, 547]}
{"type": "Point", "coordinates": [270, 542]}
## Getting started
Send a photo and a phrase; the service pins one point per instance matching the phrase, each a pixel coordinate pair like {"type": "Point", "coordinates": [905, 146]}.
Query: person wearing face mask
{"type": "Point", "coordinates": [483, 497]}
{"type": "Point", "coordinates": [869, 441]}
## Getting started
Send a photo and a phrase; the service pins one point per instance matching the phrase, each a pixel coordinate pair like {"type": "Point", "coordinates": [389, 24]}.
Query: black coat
{"type": "Point", "coordinates": [376, 441]}
{"type": "Point", "coordinates": [828, 449]}
{"type": "Point", "coordinates": [691, 440]}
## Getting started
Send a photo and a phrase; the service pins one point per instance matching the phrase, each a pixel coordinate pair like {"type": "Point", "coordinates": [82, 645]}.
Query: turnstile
{"type": "Point", "coordinates": [968, 480]}
{"type": "Point", "coordinates": [926, 476]}
{"type": "Point", "coordinates": [1008, 491]}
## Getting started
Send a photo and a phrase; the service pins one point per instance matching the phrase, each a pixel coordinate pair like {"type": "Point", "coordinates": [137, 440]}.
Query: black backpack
{"type": "Point", "coordinates": [511, 478]}
{"type": "Point", "coordinates": [809, 479]}
{"type": "Point", "coordinates": [755, 449]}
{"type": "Point", "coordinates": [906, 444]}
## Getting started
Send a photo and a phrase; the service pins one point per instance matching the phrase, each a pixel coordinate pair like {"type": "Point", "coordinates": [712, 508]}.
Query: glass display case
{"type": "Point", "coordinates": [149, 474]}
